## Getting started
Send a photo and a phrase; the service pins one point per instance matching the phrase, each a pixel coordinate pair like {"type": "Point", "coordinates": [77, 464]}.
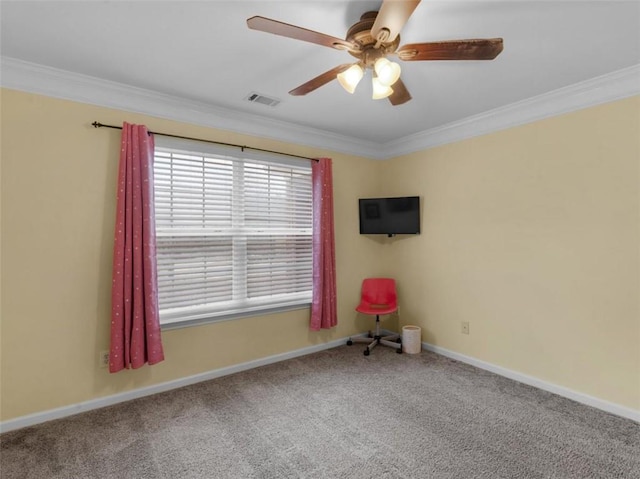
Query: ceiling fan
{"type": "Point", "coordinates": [371, 40]}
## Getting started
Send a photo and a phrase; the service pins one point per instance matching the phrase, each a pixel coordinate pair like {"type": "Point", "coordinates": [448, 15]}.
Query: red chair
{"type": "Point", "coordinates": [378, 297]}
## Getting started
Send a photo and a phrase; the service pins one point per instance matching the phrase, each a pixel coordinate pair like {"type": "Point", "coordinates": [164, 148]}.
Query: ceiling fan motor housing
{"type": "Point", "coordinates": [360, 34]}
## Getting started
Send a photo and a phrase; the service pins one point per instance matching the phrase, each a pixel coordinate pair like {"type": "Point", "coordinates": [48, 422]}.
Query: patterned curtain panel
{"type": "Point", "coordinates": [135, 326]}
{"type": "Point", "coordinates": [323, 306]}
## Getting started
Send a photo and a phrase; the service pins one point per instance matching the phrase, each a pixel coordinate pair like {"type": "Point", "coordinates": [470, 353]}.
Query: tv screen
{"type": "Point", "coordinates": [390, 216]}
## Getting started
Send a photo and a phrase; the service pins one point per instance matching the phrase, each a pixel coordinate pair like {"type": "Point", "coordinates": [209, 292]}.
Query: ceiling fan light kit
{"type": "Point", "coordinates": [350, 78]}
{"type": "Point", "coordinates": [380, 90]}
{"type": "Point", "coordinates": [388, 72]}
{"type": "Point", "coordinates": [371, 40]}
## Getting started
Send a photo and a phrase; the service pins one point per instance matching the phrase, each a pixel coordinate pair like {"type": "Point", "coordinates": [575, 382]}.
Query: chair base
{"type": "Point", "coordinates": [375, 339]}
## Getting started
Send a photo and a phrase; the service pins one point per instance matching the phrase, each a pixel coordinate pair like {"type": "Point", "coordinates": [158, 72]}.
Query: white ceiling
{"type": "Point", "coordinates": [203, 52]}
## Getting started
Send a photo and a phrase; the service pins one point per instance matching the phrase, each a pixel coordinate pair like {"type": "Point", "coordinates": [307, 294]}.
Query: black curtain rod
{"type": "Point", "coordinates": [242, 147]}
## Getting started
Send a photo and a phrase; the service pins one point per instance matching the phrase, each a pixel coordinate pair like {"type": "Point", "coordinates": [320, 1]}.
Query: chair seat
{"type": "Point", "coordinates": [375, 309]}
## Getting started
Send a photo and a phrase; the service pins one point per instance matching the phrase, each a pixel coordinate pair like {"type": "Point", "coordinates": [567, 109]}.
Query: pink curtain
{"type": "Point", "coordinates": [323, 306]}
{"type": "Point", "coordinates": [135, 325]}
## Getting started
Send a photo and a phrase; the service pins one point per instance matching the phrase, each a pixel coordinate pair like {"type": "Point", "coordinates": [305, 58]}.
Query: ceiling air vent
{"type": "Point", "coordinates": [262, 99]}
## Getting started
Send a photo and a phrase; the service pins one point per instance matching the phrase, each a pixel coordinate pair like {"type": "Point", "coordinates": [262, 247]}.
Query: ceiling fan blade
{"type": "Point", "coordinates": [392, 16]}
{"type": "Point", "coordinates": [319, 81]}
{"type": "Point", "coordinates": [291, 31]}
{"type": "Point", "coordinates": [479, 49]}
{"type": "Point", "coordinates": [400, 93]}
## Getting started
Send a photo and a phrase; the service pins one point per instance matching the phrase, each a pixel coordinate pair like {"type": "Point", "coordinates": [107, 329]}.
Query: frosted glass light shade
{"type": "Point", "coordinates": [380, 91]}
{"type": "Point", "coordinates": [350, 78]}
{"type": "Point", "coordinates": [388, 72]}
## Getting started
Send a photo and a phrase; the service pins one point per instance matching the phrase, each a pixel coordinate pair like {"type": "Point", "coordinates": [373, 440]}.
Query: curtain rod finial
{"type": "Point", "coordinates": [96, 124]}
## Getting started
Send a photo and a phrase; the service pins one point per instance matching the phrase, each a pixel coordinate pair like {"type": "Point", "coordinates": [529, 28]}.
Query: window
{"type": "Point", "coordinates": [233, 232]}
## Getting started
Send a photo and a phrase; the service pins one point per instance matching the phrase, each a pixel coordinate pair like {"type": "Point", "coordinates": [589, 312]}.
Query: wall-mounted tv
{"type": "Point", "coordinates": [390, 216]}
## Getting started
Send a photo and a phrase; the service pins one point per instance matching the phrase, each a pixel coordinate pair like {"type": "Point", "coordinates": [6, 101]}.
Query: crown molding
{"type": "Point", "coordinates": [40, 79]}
{"type": "Point", "coordinates": [603, 89]}
{"type": "Point", "coordinates": [52, 82]}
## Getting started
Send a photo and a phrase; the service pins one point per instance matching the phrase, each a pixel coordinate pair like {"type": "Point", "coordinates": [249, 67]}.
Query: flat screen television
{"type": "Point", "coordinates": [390, 216]}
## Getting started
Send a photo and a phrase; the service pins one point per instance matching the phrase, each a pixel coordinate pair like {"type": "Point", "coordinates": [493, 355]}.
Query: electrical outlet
{"type": "Point", "coordinates": [464, 327]}
{"type": "Point", "coordinates": [103, 359]}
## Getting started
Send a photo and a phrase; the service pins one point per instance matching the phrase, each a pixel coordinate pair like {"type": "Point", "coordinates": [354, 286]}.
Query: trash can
{"type": "Point", "coordinates": [411, 339]}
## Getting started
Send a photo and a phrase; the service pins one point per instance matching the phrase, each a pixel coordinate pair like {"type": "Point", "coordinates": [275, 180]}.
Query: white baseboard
{"type": "Point", "coordinates": [601, 404]}
{"type": "Point", "coordinates": [65, 411]}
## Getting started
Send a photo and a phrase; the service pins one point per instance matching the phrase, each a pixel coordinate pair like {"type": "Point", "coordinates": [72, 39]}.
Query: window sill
{"type": "Point", "coordinates": [186, 323]}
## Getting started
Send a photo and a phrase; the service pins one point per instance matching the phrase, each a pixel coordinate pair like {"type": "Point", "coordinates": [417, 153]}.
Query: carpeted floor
{"type": "Point", "coordinates": [336, 414]}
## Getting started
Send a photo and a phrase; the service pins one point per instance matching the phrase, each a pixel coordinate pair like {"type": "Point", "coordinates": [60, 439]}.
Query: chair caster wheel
{"type": "Point", "coordinates": [367, 352]}
{"type": "Point", "coordinates": [399, 350]}
{"type": "Point", "coordinates": [349, 343]}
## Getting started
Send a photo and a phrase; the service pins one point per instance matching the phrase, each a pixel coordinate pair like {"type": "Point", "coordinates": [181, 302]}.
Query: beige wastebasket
{"type": "Point", "coordinates": [411, 339]}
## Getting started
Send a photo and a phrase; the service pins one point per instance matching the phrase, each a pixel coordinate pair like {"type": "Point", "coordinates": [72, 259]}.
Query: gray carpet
{"type": "Point", "coordinates": [336, 414]}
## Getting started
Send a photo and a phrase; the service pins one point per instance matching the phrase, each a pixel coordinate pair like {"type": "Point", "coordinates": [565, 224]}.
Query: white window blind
{"type": "Point", "coordinates": [233, 233]}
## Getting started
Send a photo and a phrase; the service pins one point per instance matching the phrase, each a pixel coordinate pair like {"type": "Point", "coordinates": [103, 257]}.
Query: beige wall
{"type": "Point", "coordinates": [58, 184]}
{"type": "Point", "coordinates": [529, 234]}
{"type": "Point", "coordinates": [532, 236]}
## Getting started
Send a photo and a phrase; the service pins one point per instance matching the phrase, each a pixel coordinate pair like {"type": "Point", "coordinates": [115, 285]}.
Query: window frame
{"type": "Point", "coordinates": [295, 301]}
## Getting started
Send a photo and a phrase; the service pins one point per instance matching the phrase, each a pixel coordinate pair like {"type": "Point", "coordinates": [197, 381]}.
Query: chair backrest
{"type": "Point", "coordinates": [379, 291]}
